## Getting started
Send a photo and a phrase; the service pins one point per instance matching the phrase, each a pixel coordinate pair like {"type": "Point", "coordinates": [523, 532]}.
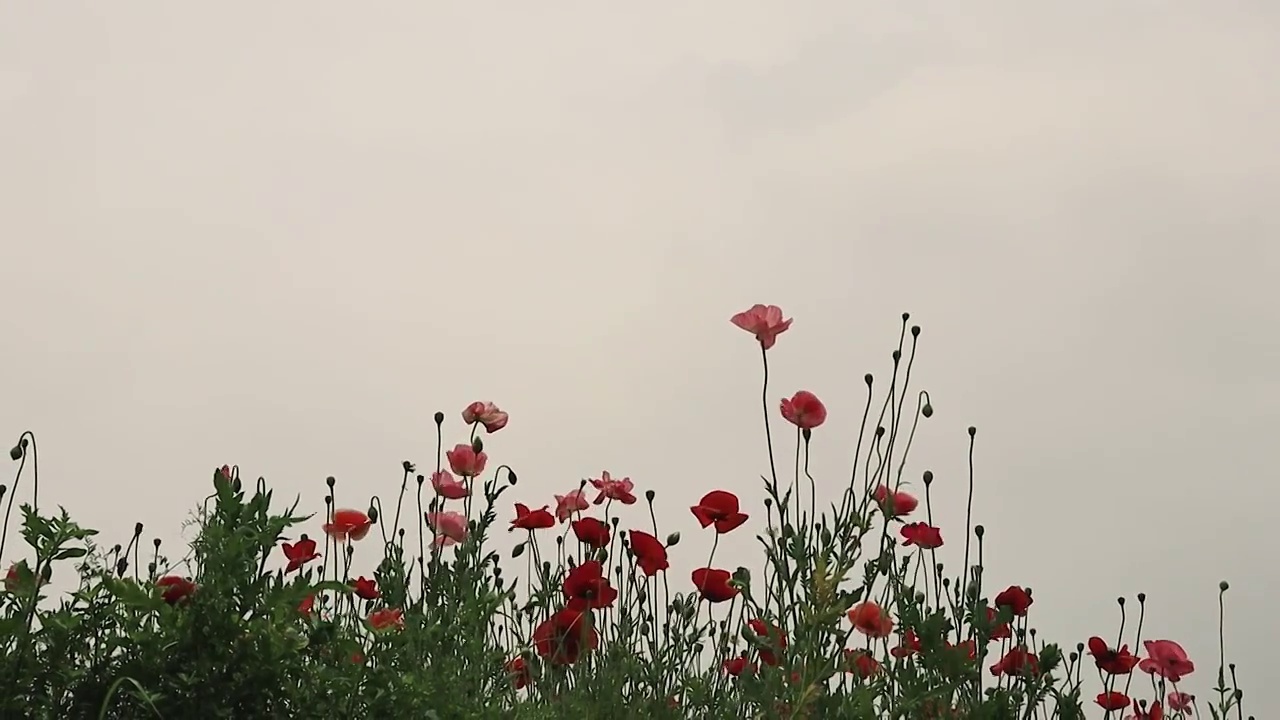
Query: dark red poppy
{"type": "Point", "coordinates": [1018, 661]}
{"type": "Point", "coordinates": [719, 508]}
{"type": "Point", "coordinates": [1110, 661]}
{"type": "Point", "coordinates": [909, 645]}
{"type": "Point", "coordinates": [366, 588]}
{"type": "Point", "coordinates": [299, 553]}
{"type": "Point", "coordinates": [307, 605]}
{"type": "Point", "coordinates": [772, 637]}
{"type": "Point", "coordinates": [527, 519]}
{"type": "Point", "coordinates": [585, 586]}
{"type": "Point", "coordinates": [965, 649]}
{"type": "Point", "coordinates": [714, 584]}
{"type": "Point", "coordinates": [518, 670]}
{"type": "Point", "coordinates": [175, 589]}
{"type": "Point", "coordinates": [737, 666]}
{"type": "Point", "coordinates": [922, 535]}
{"type": "Point", "coordinates": [562, 638]}
{"type": "Point", "coordinates": [1015, 598]}
{"type": "Point", "coordinates": [591, 532]}
{"type": "Point", "coordinates": [1113, 700]}
{"type": "Point", "coordinates": [649, 553]}
{"type": "Point", "coordinates": [999, 631]}
{"type": "Point", "coordinates": [860, 663]}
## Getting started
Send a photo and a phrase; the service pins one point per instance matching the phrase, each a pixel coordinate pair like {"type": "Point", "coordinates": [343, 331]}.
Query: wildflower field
{"type": "Point", "coordinates": [848, 613]}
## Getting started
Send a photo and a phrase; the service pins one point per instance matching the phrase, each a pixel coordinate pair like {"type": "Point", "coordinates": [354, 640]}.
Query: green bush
{"type": "Point", "coordinates": [848, 616]}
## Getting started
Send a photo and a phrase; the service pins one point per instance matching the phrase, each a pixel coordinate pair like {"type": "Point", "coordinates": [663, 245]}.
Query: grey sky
{"type": "Point", "coordinates": [283, 235]}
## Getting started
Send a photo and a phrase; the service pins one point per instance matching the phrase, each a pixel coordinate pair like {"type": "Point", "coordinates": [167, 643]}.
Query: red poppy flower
{"type": "Point", "coordinates": [922, 535]}
{"type": "Point", "coordinates": [175, 589]}
{"type": "Point", "coordinates": [1154, 712]}
{"type": "Point", "coordinates": [1018, 661]}
{"type": "Point", "coordinates": [527, 519]}
{"type": "Point", "coordinates": [650, 555]}
{"type": "Point", "coordinates": [563, 637]}
{"type": "Point", "coordinates": [804, 410]}
{"type": "Point", "coordinates": [591, 532]}
{"type": "Point", "coordinates": [485, 413]}
{"type": "Point", "coordinates": [366, 588]}
{"type": "Point", "coordinates": [1016, 599]}
{"type": "Point", "coordinates": [1112, 662]}
{"type": "Point", "coordinates": [519, 672]}
{"type": "Point", "coordinates": [773, 638]}
{"type": "Point", "coordinates": [714, 585]}
{"type": "Point", "coordinates": [738, 666]}
{"type": "Point", "coordinates": [307, 605]}
{"type": "Point", "coordinates": [908, 645]}
{"type": "Point", "coordinates": [860, 663]}
{"type": "Point", "coordinates": [1167, 659]}
{"type": "Point", "coordinates": [894, 503]}
{"type": "Point", "coordinates": [300, 553]}
{"type": "Point", "coordinates": [387, 619]}
{"type": "Point", "coordinates": [719, 508]}
{"type": "Point", "coordinates": [763, 321]}
{"type": "Point", "coordinates": [465, 461]}
{"type": "Point", "coordinates": [1112, 700]}
{"type": "Point", "coordinates": [1000, 631]}
{"type": "Point", "coordinates": [965, 649]}
{"type": "Point", "coordinates": [586, 587]}
{"type": "Point", "coordinates": [870, 619]}
{"type": "Point", "coordinates": [348, 524]}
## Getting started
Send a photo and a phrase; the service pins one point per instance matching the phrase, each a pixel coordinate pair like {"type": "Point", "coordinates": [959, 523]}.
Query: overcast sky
{"type": "Point", "coordinates": [283, 235]}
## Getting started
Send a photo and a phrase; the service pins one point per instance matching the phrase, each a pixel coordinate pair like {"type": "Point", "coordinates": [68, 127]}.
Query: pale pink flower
{"type": "Point", "coordinates": [447, 487]}
{"type": "Point", "coordinates": [619, 490]}
{"type": "Point", "coordinates": [567, 505]}
{"type": "Point", "coordinates": [485, 413]}
{"type": "Point", "coordinates": [450, 527]}
{"type": "Point", "coordinates": [1181, 702]}
{"type": "Point", "coordinates": [763, 321]}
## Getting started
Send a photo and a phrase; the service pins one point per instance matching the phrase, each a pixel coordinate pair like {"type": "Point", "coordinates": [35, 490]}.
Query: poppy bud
{"type": "Point", "coordinates": [1224, 586]}
{"type": "Point", "coordinates": [156, 542]}
{"type": "Point", "coordinates": [915, 331]}
{"type": "Point", "coordinates": [3, 490]}
{"type": "Point", "coordinates": [979, 531]}
{"type": "Point", "coordinates": [897, 355]}
{"type": "Point", "coordinates": [477, 445]}
{"type": "Point", "coordinates": [16, 452]}
{"type": "Point", "coordinates": [121, 566]}
{"type": "Point", "coordinates": [421, 479]}
{"type": "Point", "coordinates": [408, 466]}
{"type": "Point", "coordinates": [867, 378]}
{"type": "Point", "coordinates": [511, 476]}
{"type": "Point", "coordinates": [330, 481]}
{"type": "Point", "coordinates": [373, 514]}
{"type": "Point", "coordinates": [927, 411]}
{"type": "Point", "coordinates": [517, 551]}
{"type": "Point", "coordinates": [236, 485]}
{"type": "Point", "coordinates": [649, 495]}
{"type": "Point", "coordinates": [137, 529]}
{"type": "Point", "coordinates": [151, 569]}
{"type": "Point", "coordinates": [928, 477]}
{"type": "Point", "coordinates": [673, 539]}
{"type": "Point", "coordinates": [439, 418]}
